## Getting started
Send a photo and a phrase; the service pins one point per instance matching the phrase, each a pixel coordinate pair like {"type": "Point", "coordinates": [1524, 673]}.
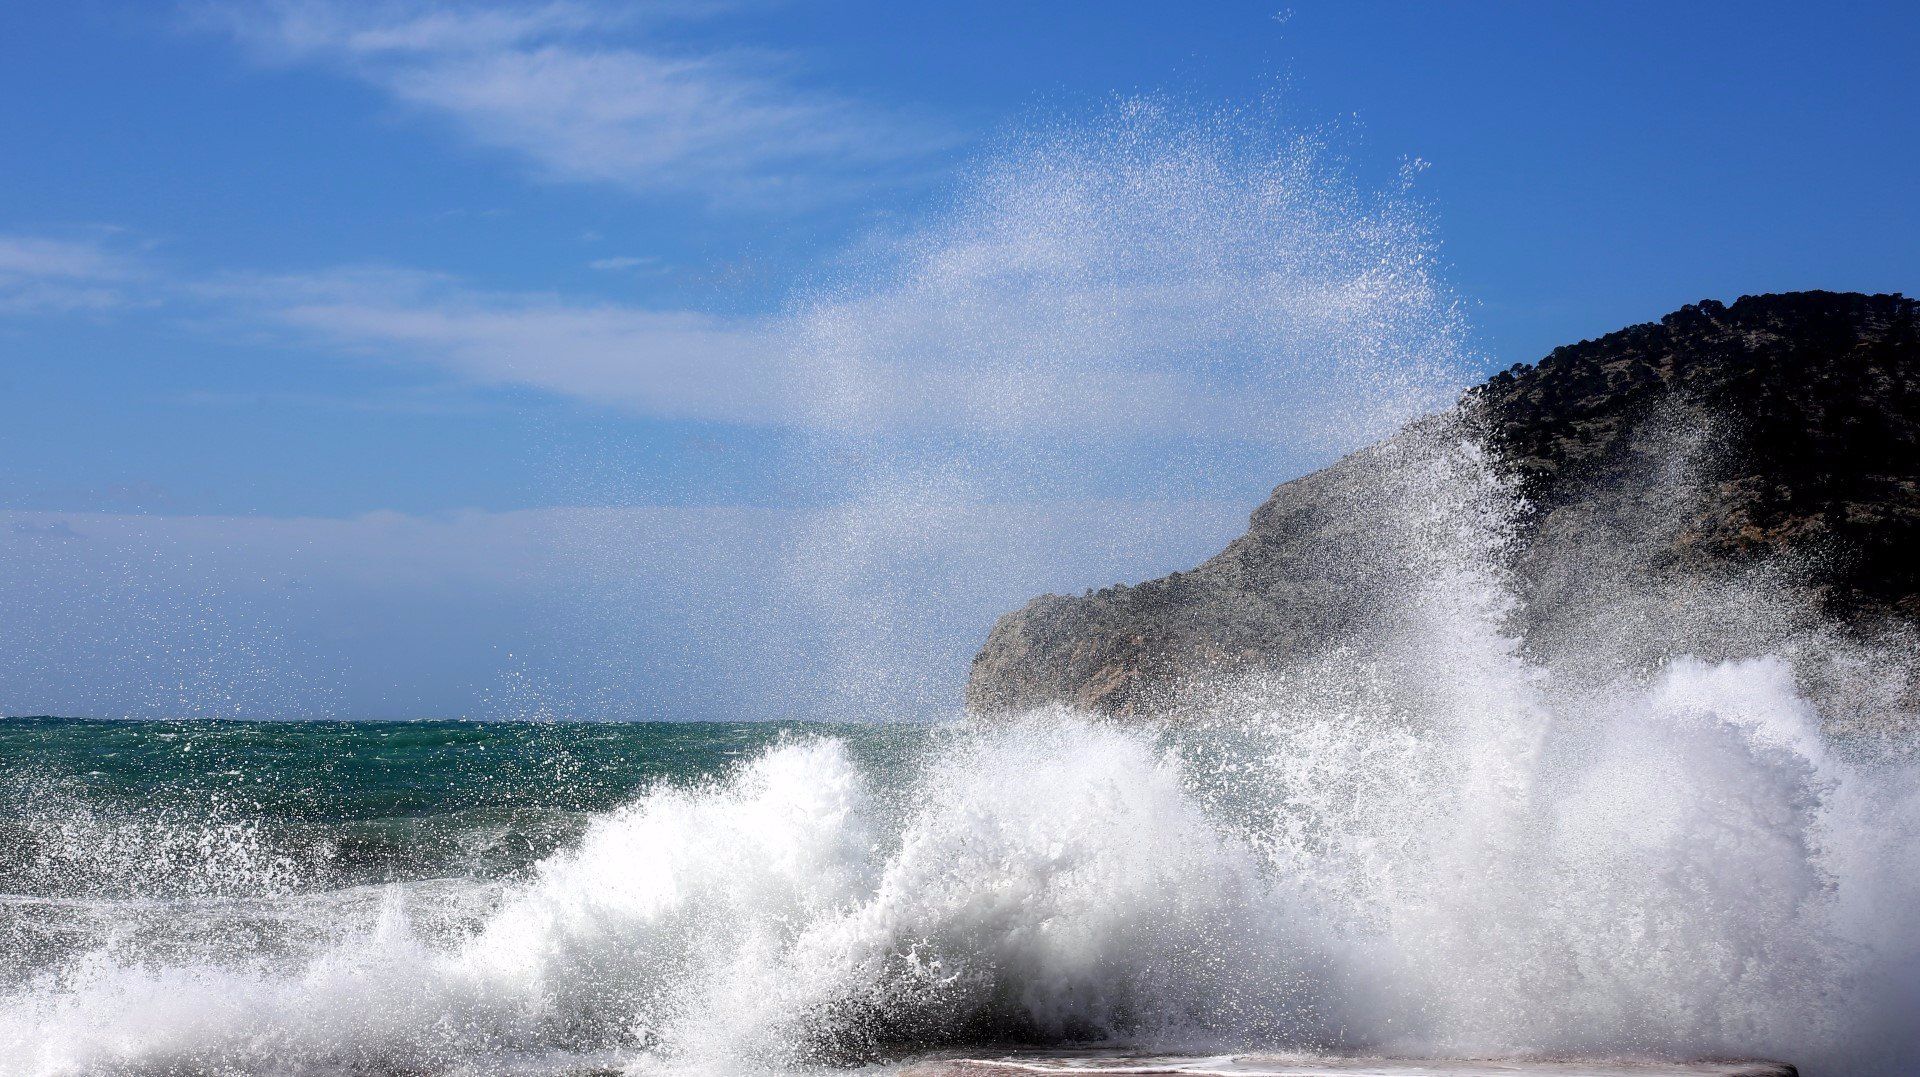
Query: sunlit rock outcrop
{"type": "Point", "coordinates": [1730, 478]}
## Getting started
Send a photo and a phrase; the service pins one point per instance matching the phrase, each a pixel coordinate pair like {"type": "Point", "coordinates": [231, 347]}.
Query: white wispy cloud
{"type": "Point", "coordinates": [887, 363]}
{"type": "Point", "coordinates": [39, 274]}
{"type": "Point", "coordinates": [621, 262]}
{"type": "Point", "coordinates": [673, 363]}
{"type": "Point", "coordinates": [589, 92]}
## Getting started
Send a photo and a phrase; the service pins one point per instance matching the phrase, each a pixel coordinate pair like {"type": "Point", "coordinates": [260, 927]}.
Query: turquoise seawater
{"type": "Point", "coordinates": [118, 809]}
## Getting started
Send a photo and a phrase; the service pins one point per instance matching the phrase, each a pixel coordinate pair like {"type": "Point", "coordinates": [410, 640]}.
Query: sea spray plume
{"type": "Point", "coordinates": [1160, 271]}
{"type": "Point", "coordinates": [1167, 294]}
{"type": "Point", "coordinates": [1056, 882]}
{"type": "Point", "coordinates": [1526, 855]}
{"type": "Point", "coordinates": [60, 841]}
{"type": "Point", "coordinates": [1806, 403]}
{"type": "Point", "coordinates": [1615, 591]}
{"type": "Point", "coordinates": [1525, 897]}
{"type": "Point", "coordinates": [666, 904]}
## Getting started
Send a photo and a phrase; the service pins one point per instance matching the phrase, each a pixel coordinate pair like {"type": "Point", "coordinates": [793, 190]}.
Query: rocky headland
{"type": "Point", "coordinates": [1730, 477]}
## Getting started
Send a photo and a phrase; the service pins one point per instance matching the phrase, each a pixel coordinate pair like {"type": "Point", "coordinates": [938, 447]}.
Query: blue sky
{"type": "Point", "coordinates": [400, 358]}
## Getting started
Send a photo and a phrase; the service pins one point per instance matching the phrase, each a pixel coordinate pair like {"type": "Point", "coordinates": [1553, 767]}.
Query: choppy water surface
{"type": "Point", "coordinates": [110, 809]}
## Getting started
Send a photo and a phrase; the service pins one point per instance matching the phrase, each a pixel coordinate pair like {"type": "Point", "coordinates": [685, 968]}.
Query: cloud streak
{"type": "Point", "coordinates": [587, 93]}
{"type": "Point", "coordinates": [665, 363]}
{"type": "Point", "coordinates": [43, 275]}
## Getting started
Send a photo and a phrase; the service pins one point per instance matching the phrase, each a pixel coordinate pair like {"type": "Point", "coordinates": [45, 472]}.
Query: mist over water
{"type": "Point", "coordinates": [1435, 840]}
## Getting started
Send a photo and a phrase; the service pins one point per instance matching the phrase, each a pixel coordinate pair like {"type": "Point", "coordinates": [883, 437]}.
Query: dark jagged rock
{"type": "Point", "coordinates": [1780, 434]}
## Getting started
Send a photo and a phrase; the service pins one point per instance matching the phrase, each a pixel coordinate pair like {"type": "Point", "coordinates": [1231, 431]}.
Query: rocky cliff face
{"type": "Point", "coordinates": [1763, 455]}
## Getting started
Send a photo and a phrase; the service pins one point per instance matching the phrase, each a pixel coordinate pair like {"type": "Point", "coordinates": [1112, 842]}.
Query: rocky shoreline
{"type": "Point", "coordinates": [1775, 439]}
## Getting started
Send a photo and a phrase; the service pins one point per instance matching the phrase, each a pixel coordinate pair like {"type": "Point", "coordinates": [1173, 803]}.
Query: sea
{"type": "Point", "coordinates": [1688, 873]}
